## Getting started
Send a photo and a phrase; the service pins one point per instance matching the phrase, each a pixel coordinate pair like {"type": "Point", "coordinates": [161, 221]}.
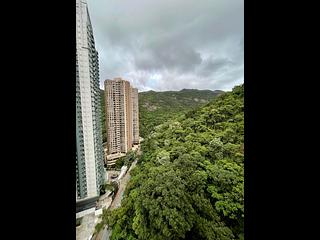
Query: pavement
{"type": "Point", "coordinates": [86, 229]}
{"type": "Point", "coordinates": [106, 234]}
{"type": "Point", "coordinates": [89, 221]}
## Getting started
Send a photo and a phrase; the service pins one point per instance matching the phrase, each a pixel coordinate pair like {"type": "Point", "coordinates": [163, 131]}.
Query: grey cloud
{"type": "Point", "coordinates": [211, 66]}
{"type": "Point", "coordinates": [170, 44]}
{"type": "Point", "coordinates": [172, 57]}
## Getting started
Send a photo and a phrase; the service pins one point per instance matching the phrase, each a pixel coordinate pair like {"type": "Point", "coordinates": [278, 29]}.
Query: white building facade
{"type": "Point", "coordinates": [90, 153]}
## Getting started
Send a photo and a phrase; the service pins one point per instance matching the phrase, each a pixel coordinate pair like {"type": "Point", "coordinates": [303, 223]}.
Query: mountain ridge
{"type": "Point", "coordinates": [158, 107]}
{"type": "Point", "coordinates": [183, 90]}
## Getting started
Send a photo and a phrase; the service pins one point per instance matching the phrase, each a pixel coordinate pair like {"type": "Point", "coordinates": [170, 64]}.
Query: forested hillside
{"type": "Point", "coordinates": [158, 107]}
{"type": "Point", "coordinates": [189, 181]}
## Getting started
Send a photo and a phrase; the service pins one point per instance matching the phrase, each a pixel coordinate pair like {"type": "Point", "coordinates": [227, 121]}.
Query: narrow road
{"type": "Point", "coordinates": [122, 186]}
{"type": "Point", "coordinates": [117, 200]}
{"type": "Point", "coordinates": [106, 234]}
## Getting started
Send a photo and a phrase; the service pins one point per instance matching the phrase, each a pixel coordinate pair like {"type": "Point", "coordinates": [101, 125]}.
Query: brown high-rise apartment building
{"type": "Point", "coordinates": [121, 118]}
{"type": "Point", "coordinates": [135, 115]}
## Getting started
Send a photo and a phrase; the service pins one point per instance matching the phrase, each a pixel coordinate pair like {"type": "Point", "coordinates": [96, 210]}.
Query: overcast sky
{"type": "Point", "coordinates": [170, 44]}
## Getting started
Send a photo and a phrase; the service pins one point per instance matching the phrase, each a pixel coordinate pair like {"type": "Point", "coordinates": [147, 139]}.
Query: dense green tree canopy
{"type": "Point", "coordinates": [189, 181]}
{"type": "Point", "coordinates": [158, 107]}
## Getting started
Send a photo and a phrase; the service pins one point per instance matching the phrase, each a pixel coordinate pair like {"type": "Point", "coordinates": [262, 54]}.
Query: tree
{"type": "Point", "coordinates": [188, 183]}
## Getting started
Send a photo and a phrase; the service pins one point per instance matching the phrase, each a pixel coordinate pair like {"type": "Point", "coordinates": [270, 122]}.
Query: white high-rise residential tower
{"type": "Point", "coordinates": [90, 154]}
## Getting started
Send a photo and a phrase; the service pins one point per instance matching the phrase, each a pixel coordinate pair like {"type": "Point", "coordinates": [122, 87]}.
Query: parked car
{"type": "Point", "coordinates": [113, 176]}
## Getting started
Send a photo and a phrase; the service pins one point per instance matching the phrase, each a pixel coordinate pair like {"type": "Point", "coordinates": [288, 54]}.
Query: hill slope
{"type": "Point", "coordinates": [158, 107]}
{"type": "Point", "coordinates": [189, 182]}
